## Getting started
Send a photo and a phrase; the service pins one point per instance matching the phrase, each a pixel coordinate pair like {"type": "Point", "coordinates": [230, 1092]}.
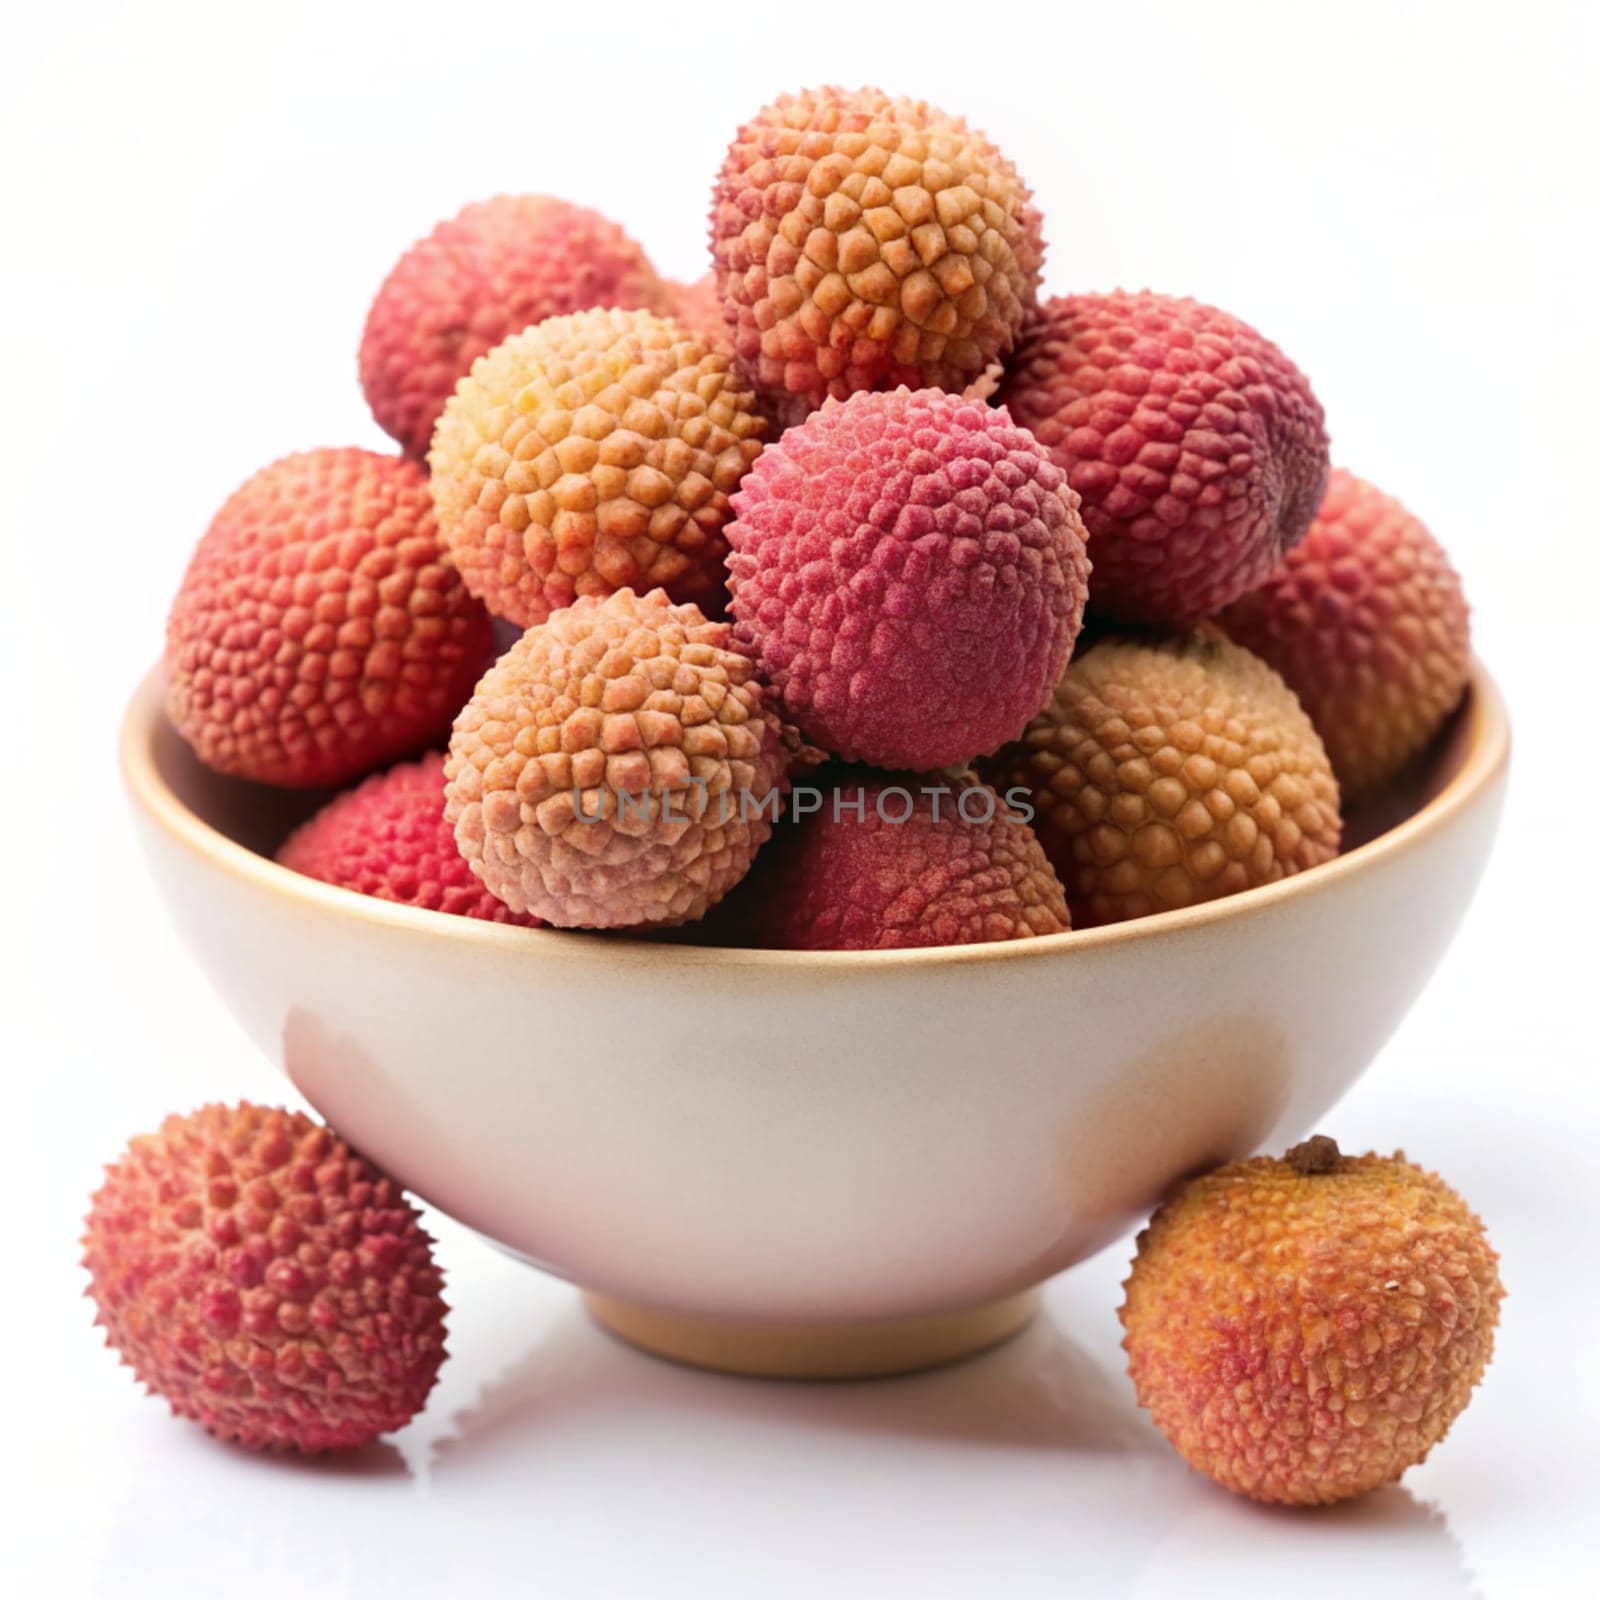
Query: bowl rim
{"type": "Point", "coordinates": [1486, 733]}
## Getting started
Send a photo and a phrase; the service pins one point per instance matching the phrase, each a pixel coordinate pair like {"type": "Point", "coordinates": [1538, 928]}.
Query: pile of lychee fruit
{"type": "Point", "coordinates": [1052, 608]}
{"type": "Point", "coordinates": [832, 514]}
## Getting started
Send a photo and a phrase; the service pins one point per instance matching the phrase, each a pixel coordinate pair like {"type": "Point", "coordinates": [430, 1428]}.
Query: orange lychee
{"type": "Point", "coordinates": [1169, 772]}
{"type": "Point", "coordinates": [589, 454]}
{"type": "Point", "coordinates": [1303, 1330]}
{"type": "Point", "coordinates": [865, 241]}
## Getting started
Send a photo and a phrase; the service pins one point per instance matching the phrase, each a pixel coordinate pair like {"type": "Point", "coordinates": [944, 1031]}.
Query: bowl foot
{"type": "Point", "coordinates": [815, 1349]}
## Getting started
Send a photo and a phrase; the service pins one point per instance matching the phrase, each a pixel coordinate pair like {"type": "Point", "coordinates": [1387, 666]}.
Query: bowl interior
{"type": "Point", "coordinates": [161, 768]}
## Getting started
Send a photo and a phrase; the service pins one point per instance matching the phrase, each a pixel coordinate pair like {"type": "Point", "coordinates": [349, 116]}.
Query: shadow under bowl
{"type": "Point", "coordinates": [814, 1163]}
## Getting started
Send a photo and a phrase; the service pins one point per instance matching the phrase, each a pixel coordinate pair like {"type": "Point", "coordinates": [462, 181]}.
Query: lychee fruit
{"type": "Point", "coordinates": [892, 861]}
{"type": "Point", "coordinates": [863, 241]}
{"type": "Point", "coordinates": [265, 1280]}
{"type": "Point", "coordinates": [1367, 622]}
{"type": "Point", "coordinates": [1171, 772]}
{"type": "Point", "coordinates": [698, 307]}
{"type": "Point", "coordinates": [320, 630]}
{"type": "Point", "coordinates": [1196, 445]}
{"type": "Point", "coordinates": [388, 837]}
{"type": "Point", "coordinates": [618, 767]}
{"type": "Point", "coordinates": [1303, 1330]}
{"type": "Point", "coordinates": [589, 454]}
{"type": "Point", "coordinates": [909, 570]}
{"type": "Point", "coordinates": [488, 272]}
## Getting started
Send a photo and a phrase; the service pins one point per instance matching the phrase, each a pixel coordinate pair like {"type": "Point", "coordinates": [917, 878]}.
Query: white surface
{"type": "Point", "coordinates": [197, 207]}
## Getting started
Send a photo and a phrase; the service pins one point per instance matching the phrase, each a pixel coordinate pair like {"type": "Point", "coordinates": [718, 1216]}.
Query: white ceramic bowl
{"type": "Point", "coordinates": [813, 1163]}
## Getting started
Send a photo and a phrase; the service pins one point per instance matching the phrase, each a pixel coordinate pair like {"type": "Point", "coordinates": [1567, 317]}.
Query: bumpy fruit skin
{"type": "Point", "coordinates": [863, 242]}
{"type": "Point", "coordinates": [1196, 445]}
{"type": "Point", "coordinates": [614, 767]}
{"type": "Point", "coordinates": [490, 271]}
{"type": "Point", "coordinates": [1367, 622]}
{"type": "Point", "coordinates": [1168, 773]}
{"type": "Point", "coordinates": [909, 569]}
{"type": "Point", "coordinates": [1302, 1336]}
{"type": "Point", "coordinates": [589, 454]}
{"type": "Point", "coordinates": [388, 837]}
{"type": "Point", "coordinates": [885, 864]}
{"type": "Point", "coordinates": [267, 1281]}
{"type": "Point", "coordinates": [320, 630]}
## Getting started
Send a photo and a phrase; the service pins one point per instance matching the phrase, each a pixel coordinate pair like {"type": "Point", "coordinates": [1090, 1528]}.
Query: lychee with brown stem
{"type": "Point", "coordinates": [320, 630]}
{"type": "Point", "coordinates": [388, 838]}
{"type": "Point", "coordinates": [909, 570]}
{"type": "Point", "coordinates": [618, 767]}
{"type": "Point", "coordinates": [1304, 1330]}
{"type": "Point", "coordinates": [891, 861]}
{"type": "Point", "coordinates": [1195, 444]}
{"type": "Point", "coordinates": [482, 275]}
{"type": "Point", "coordinates": [267, 1281]}
{"type": "Point", "coordinates": [1167, 773]}
{"type": "Point", "coordinates": [589, 454]}
{"type": "Point", "coordinates": [1367, 622]}
{"type": "Point", "coordinates": [864, 241]}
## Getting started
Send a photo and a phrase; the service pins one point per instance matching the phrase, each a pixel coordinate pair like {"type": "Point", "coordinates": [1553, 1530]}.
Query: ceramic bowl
{"type": "Point", "coordinates": [814, 1163]}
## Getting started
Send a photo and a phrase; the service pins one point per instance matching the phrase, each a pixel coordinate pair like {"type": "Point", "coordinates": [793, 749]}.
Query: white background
{"type": "Point", "coordinates": [198, 204]}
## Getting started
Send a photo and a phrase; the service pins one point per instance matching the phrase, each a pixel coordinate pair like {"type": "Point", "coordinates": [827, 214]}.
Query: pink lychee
{"type": "Point", "coordinates": [482, 275]}
{"type": "Point", "coordinates": [387, 837]}
{"type": "Point", "coordinates": [909, 571]}
{"type": "Point", "coordinates": [1197, 447]}
{"type": "Point", "coordinates": [1367, 622]}
{"type": "Point", "coordinates": [891, 861]}
{"type": "Point", "coordinates": [265, 1280]}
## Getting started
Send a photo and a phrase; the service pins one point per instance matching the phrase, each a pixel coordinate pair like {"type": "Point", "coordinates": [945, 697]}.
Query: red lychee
{"type": "Point", "coordinates": [862, 241]}
{"type": "Point", "coordinates": [1197, 447]}
{"type": "Point", "coordinates": [618, 767]}
{"type": "Point", "coordinates": [388, 837]}
{"type": "Point", "coordinates": [265, 1280]}
{"type": "Point", "coordinates": [320, 630]}
{"type": "Point", "coordinates": [892, 861]}
{"type": "Point", "coordinates": [909, 571]}
{"type": "Point", "coordinates": [488, 272]}
{"type": "Point", "coordinates": [1367, 622]}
